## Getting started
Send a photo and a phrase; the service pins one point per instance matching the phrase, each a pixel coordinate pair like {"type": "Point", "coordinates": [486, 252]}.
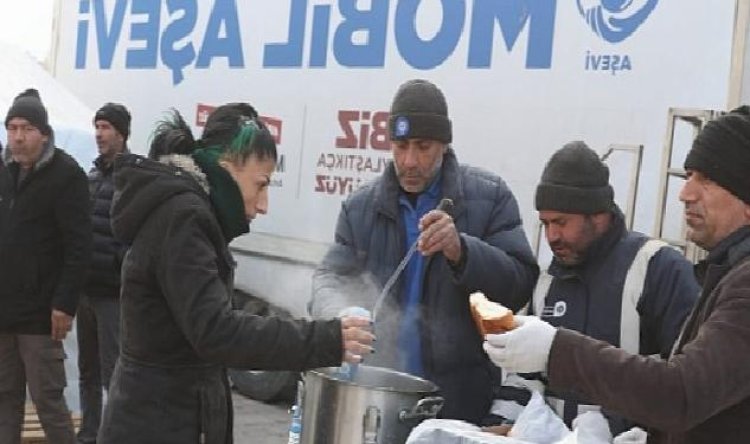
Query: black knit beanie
{"type": "Point", "coordinates": [28, 105]}
{"type": "Point", "coordinates": [419, 111]}
{"type": "Point", "coordinates": [575, 181]}
{"type": "Point", "coordinates": [721, 151]}
{"type": "Point", "coordinates": [117, 115]}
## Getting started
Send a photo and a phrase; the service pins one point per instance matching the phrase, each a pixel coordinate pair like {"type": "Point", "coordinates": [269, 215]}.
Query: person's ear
{"type": "Point", "coordinates": [601, 221]}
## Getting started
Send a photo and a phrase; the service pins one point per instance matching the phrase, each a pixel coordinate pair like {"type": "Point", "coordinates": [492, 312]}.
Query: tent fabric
{"type": "Point", "coordinates": [69, 117]}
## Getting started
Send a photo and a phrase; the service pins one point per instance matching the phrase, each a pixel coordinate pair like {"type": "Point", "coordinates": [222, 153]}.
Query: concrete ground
{"type": "Point", "coordinates": [254, 422]}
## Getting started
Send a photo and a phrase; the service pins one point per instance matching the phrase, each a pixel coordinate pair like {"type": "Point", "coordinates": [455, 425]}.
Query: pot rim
{"type": "Point", "coordinates": [332, 379]}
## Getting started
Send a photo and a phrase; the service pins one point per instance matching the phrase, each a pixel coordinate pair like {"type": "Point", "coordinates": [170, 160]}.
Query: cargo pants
{"type": "Point", "coordinates": [36, 360]}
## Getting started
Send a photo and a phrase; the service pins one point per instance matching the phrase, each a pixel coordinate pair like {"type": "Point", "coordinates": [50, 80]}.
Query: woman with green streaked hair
{"type": "Point", "coordinates": [178, 210]}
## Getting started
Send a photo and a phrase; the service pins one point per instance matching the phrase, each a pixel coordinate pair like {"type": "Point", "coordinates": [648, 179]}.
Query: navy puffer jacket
{"type": "Point", "coordinates": [370, 241]}
{"type": "Point", "coordinates": [106, 258]}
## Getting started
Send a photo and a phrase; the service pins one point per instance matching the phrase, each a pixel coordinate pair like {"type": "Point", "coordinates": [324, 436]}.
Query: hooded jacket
{"type": "Point", "coordinates": [178, 326]}
{"type": "Point", "coordinates": [45, 240]}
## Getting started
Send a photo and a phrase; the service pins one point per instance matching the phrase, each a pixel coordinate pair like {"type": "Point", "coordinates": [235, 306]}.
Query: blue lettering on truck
{"type": "Point", "coordinates": [163, 33]}
{"type": "Point", "coordinates": [512, 16]}
{"type": "Point", "coordinates": [221, 39]}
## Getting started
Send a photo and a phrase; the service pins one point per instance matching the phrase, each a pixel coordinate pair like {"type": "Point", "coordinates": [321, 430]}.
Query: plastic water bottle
{"type": "Point", "coordinates": [295, 429]}
{"type": "Point", "coordinates": [348, 371]}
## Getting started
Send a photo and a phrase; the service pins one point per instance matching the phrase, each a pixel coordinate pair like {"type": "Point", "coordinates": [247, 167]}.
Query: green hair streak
{"type": "Point", "coordinates": [238, 149]}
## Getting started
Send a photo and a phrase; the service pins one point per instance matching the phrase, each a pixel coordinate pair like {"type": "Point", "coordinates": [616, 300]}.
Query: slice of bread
{"type": "Point", "coordinates": [490, 317]}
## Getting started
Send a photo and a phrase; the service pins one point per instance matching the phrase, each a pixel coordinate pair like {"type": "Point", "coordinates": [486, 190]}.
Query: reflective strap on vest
{"type": "Point", "coordinates": [630, 320]}
{"type": "Point", "coordinates": [557, 404]}
{"type": "Point", "coordinates": [540, 293]}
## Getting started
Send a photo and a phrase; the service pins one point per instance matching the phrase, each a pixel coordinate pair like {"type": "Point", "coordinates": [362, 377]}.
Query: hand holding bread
{"type": "Point", "coordinates": [525, 349]}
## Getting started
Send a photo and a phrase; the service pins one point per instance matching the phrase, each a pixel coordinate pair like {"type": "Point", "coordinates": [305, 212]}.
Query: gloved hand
{"type": "Point", "coordinates": [633, 436]}
{"type": "Point", "coordinates": [525, 349]}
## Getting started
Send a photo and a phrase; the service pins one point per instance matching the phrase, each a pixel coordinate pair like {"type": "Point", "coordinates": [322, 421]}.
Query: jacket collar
{"type": "Point", "coordinates": [598, 249]}
{"type": "Point", "coordinates": [725, 255]}
{"type": "Point", "coordinates": [48, 152]}
{"type": "Point", "coordinates": [387, 189]}
{"type": "Point", "coordinates": [104, 167]}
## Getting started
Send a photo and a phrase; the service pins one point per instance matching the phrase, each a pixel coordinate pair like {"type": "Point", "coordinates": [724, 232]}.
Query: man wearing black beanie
{"type": "Point", "coordinates": [98, 320]}
{"type": "Point", "coordinates": [45, 246]}
{"type": "Point", "coordinates": [424, 325]}
{"type": "Point", "coordinates": [700, 394]}
{"type": "Point", "coordinates": [616, 285]}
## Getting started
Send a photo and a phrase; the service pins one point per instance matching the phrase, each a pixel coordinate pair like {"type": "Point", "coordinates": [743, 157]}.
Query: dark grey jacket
{"type": "Point", "coordinates": [370, 241]}
{"type": "Point", "coordinates": [178, 327]}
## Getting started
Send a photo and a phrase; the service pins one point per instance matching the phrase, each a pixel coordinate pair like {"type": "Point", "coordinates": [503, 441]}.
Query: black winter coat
{"type": "Point", "coordinates": [45, 241]}
{"type": "Point", "coordinates": [178, 326]}
{"type": "Point", "coordinates": [106, 257]}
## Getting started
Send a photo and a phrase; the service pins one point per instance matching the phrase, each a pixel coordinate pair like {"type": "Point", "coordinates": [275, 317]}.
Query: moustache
{"type": "Point", "coordinates": [557, 245]}
{"type": "Point", "coordinates": [411, 172]}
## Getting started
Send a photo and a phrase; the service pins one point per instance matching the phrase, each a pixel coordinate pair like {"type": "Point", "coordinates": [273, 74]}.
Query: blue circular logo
{"type": "Point", "coordinates": [402, 126]}
{"type": "Point", "coordinates": [615, 20]}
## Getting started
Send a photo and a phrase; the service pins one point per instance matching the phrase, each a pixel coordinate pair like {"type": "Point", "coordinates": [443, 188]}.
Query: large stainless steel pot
{"type": "Point", "coordinates": [377, 406]}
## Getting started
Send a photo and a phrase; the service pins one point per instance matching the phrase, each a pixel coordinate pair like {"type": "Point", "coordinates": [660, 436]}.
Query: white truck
{"type": "Point", "coordinates": [522, 77]}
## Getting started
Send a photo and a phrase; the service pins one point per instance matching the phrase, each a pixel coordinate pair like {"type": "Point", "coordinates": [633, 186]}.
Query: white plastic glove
{"type": "Point", "coordinates": [525, 349]}
{"type": "Point", "coordinates": [633, 436]}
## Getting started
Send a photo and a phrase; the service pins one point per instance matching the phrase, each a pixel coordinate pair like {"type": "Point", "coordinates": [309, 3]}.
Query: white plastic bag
{"type": "Point", "coordinates": [538, 423]}
{"type": "Point", "coordinates": [589, 428]}
{"type": "Point", "coordinates": [451, 431]}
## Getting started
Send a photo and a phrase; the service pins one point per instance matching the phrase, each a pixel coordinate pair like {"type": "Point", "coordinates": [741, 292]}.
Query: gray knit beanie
{"type": "Point", "coordinates": [28, 105]}
{"type": "Point", "coordinates": [419, 111]}
{"type": "Point", "coordinates": [117, 115]}
{"type": "Point", "coordinates": [575, 181]}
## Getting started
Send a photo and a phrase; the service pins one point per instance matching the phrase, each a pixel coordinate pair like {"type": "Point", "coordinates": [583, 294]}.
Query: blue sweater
{"type": "Point", "coordinates": [409, 341]}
